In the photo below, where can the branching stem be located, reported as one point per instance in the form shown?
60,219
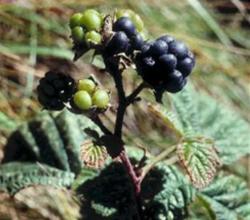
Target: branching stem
159,158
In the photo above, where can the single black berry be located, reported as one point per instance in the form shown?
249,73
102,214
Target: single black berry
185,66
137,42
126,25
175,82
168,39
119,43
159,48
179,49
145,50
168,62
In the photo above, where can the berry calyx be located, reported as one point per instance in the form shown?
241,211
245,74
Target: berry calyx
100,99
93,37
91,20
87,85
82,100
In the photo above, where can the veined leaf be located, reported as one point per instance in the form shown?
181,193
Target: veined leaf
229,198
229,131
92,155
198,156
16,175
200,114
186,111
169,119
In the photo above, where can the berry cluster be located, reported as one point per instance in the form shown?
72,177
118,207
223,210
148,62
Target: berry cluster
89,96
128,35
86,26
55,89
165,64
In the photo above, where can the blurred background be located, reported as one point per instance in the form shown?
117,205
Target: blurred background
35,37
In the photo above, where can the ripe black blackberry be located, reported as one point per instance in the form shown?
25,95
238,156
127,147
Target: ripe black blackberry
54,89
125,39
165,64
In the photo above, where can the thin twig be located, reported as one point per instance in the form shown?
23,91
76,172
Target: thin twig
100,124
130,99
122,105
157,159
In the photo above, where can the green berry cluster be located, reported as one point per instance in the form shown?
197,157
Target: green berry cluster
86,26
89,95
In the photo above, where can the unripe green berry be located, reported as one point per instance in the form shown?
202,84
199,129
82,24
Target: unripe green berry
137,22
91,20
78,34
92,11
75,20
100,99
87,85
93,37
124,13
82,100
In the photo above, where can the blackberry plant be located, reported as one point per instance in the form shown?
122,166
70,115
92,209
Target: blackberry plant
69,144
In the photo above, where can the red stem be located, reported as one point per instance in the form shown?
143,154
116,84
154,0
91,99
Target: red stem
135,179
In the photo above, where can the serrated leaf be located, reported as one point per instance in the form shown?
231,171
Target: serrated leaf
187,111
6,123
229,131
168,118
16,175
199,158
93,155
203,115
166,193
85,174
47,137
229,198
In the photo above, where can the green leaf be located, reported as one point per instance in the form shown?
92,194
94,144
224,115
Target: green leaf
187,111
51,138
199,114
199,158
6,123
47,137
17,175
168,118
229,131
166,193
86,173
229,198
